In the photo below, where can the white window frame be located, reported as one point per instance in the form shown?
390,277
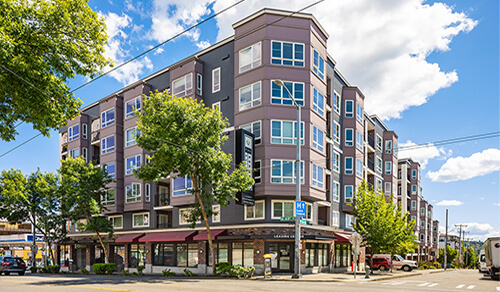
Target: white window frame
135,188
289,180
216,105
85,154
263,202
378,165
336,161
216,80
181,217
349,221
317,66
105,166
141,214
254,100
288,139
199,84
104,147
318,102
350,198
414,174
349,142
359,168
336,191
133,139
251,127
292,87
135,103
137,161
71,133
184,191
336,132
282,209
147,192
378,184
388,167
257,168
293,60
254,61
112,219
104,121
378,142
350,170
84,131
106,201
413,189
359,140
188,85
73,154
359,112
335,218
318,179
349,114
388,146
216,217
387,188
337,101
318,139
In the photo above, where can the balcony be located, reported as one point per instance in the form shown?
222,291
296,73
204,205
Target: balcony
371,142
371,165
64,149
162,201
96,159
95,138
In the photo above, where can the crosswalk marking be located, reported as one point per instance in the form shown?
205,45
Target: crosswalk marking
432,285
498,288
459,286
471,287
424,284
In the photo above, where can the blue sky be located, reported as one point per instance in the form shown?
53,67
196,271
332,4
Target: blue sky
429,69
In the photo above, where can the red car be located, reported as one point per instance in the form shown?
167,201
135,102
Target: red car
380,263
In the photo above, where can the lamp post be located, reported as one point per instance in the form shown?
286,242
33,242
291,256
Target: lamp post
296,273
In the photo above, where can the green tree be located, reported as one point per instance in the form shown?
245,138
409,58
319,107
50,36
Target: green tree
451,254
35,199
380,222
470,257
82,187
185,138
45,43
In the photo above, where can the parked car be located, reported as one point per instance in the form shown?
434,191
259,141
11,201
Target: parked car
380,263
398,262
12,264
492,257
482,263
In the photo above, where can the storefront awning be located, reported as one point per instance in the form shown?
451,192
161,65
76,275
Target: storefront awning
342,238
128,238
213,233
168,236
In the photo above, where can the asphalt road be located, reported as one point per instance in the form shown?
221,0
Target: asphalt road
447,281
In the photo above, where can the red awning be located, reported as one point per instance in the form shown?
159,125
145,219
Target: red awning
127,238
342,238
168,236
214,233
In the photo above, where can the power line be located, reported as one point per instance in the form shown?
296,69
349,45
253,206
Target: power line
451,141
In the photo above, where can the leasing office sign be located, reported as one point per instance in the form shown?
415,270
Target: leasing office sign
245,153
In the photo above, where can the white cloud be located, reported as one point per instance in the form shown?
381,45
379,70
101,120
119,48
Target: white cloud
421,154
497,204
449,203
479,231
203,44
380,46
117,39
460,168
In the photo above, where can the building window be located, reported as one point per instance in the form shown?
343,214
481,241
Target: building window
133,192
289,54
414,174
335,218
388,146
255,212
110,168
182,186
279,95
379,164
336,192
336,132
183,86
250,57
84,131
349,108
250,96
85,154
316,254
176,254
242,254
359,168
336,102
319,65
413,219
388,167
379,143
349,221
107,118
215,80
348,165
318,102
359,113
414,189
215,213
283,171
141,220
317,176
108,198
285,132
349,137
318,139
184,214
256,172
395,150
108,144
387,189
73,133
422,211
116,221
336,161
282,209
132,163
359,140
130,106
131,135
348,194
378,185
255,129
75,153
147,192
199,84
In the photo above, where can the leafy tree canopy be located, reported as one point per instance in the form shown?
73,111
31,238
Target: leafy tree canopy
45,43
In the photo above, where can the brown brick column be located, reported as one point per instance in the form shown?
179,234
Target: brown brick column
149,253
90,255
258,251
203,252
57,260
126,255
302,253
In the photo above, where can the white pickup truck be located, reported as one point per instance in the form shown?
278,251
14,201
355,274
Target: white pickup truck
492,257
398,262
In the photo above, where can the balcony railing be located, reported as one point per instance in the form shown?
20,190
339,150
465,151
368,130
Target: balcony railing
64,149
95,137
371,165
96,160
371,142
162,199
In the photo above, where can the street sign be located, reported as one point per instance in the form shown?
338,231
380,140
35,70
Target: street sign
303,222
300,208
287,218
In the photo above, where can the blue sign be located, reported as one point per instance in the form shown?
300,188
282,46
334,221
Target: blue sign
300,209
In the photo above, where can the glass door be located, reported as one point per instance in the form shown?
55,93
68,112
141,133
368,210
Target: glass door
282,256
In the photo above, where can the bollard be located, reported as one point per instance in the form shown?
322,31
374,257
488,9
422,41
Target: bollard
367,272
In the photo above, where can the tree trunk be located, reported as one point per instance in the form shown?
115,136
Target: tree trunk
106,260
209,234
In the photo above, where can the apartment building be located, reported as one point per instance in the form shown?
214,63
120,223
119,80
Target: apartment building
237,76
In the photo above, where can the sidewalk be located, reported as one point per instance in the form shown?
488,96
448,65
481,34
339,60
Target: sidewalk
349,276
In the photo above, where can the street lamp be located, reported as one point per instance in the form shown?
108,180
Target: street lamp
296,274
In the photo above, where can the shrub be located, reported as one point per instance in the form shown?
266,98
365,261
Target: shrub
125,272
54,269
103,269
167,273
437,265
222,268
189,273
238,271
34,269
140,270
85,271
135,274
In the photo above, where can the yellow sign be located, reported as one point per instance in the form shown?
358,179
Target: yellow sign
268,256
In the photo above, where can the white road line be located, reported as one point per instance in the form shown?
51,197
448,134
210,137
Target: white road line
498,288
424,284
397,283
459,286
471,287
432,285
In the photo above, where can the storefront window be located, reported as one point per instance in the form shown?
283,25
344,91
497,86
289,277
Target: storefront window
248,254
164,255
137,256
237,253
176,254
316,254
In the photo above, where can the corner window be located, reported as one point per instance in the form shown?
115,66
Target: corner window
199,84
388,167
359,113
182,186
285,132
255,129
336,192
116,221
250,57
335,218
359,168
132,163
359,140
388,146
288,54
349,108
379,165
256,172
283,171
336,161
414,174
348,165
318,139
379,143
73,133
107,118
349,137
282,209
133,192
279,94
349,221
84,131
110,168
336,132
131,105
319,65
317,176
141,220
108,198
387,189
336,102
216,80
131,135
414,189
183,86
255,212
250,96
75,153
318,102
108,144
348,194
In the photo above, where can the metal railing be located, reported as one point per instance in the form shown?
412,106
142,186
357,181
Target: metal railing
371,142
162,199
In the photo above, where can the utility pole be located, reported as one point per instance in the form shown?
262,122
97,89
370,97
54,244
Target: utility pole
460,242
446,243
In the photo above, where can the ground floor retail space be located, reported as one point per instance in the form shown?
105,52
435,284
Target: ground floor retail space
177,250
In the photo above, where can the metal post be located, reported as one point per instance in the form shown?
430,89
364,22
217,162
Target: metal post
446,243
34,248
